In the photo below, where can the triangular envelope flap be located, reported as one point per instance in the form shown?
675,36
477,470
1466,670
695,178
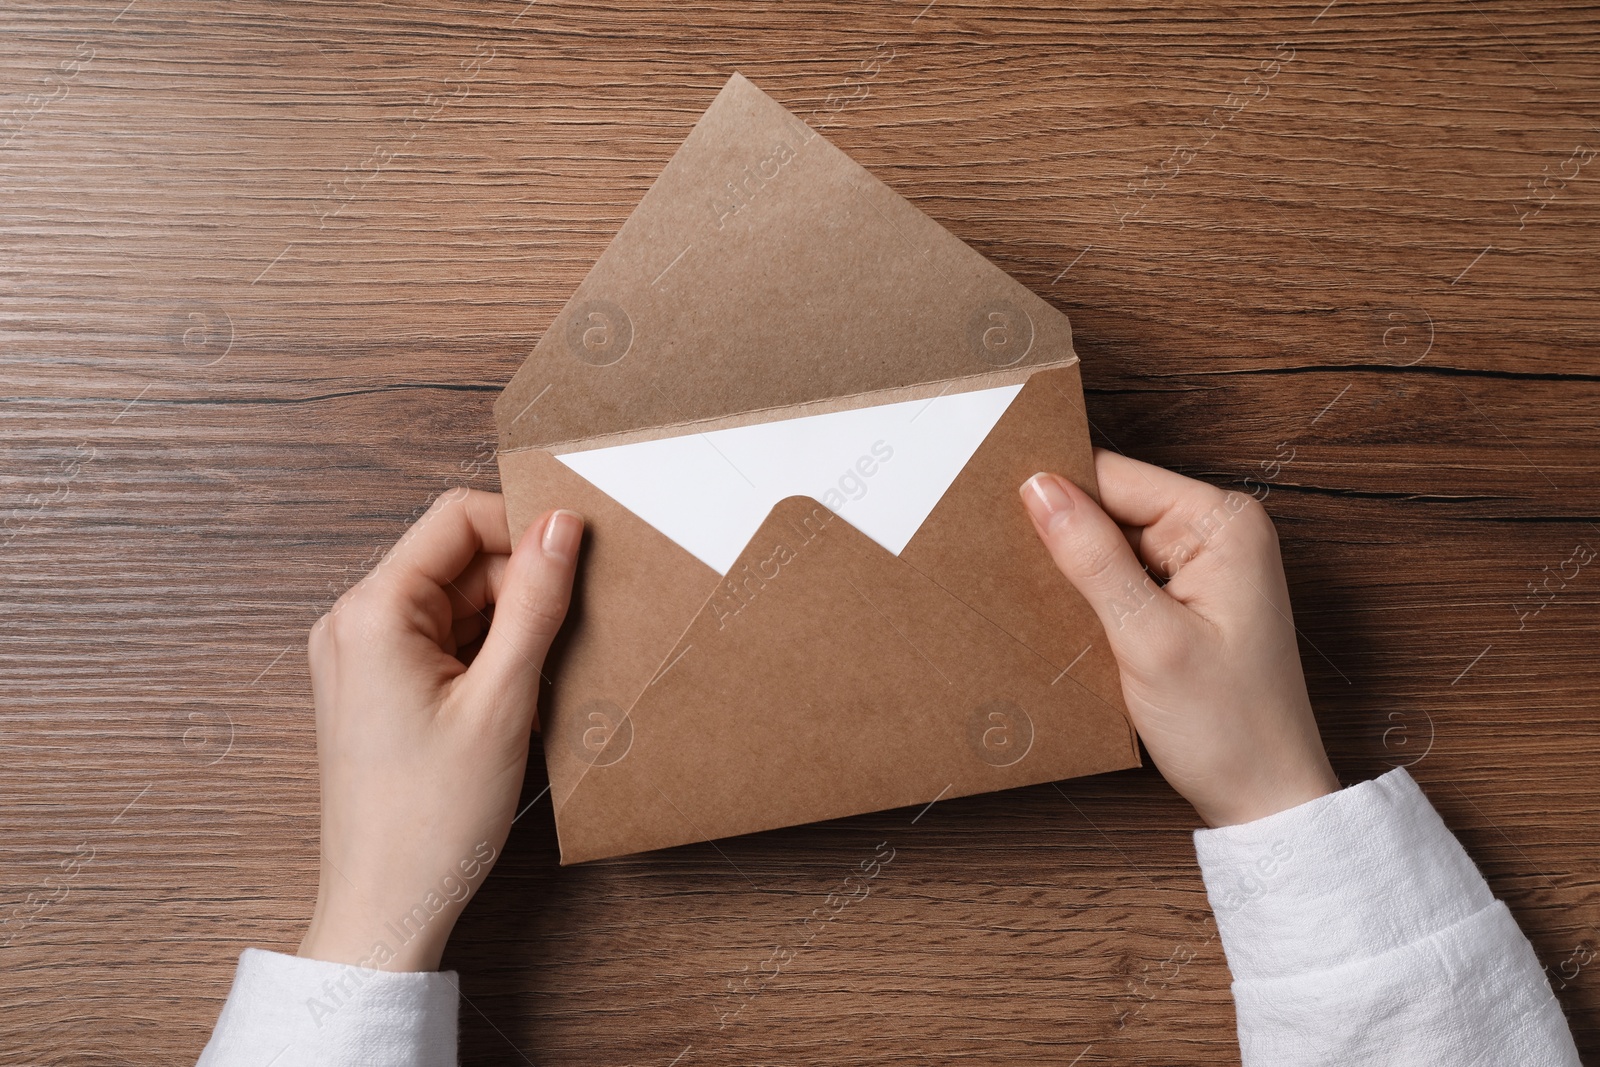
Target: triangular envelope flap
765,269
634,594
979,544
835,680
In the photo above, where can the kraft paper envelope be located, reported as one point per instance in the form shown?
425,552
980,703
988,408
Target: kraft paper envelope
766,276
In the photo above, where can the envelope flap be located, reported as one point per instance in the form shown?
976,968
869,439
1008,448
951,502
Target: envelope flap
829,678
764,269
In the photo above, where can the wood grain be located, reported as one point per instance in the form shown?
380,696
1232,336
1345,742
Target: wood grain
263,267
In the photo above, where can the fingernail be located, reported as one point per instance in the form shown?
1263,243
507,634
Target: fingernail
1046,500
561,536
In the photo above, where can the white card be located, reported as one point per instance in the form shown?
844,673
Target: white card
880,468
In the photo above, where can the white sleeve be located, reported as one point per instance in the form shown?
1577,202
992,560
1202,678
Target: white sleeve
291,1012
1360,933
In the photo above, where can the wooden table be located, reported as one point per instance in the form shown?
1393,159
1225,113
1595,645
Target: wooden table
266,265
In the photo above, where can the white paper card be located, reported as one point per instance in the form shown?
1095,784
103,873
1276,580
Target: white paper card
881,468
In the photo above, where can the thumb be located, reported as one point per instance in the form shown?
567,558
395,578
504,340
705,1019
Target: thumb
530,606
1091,551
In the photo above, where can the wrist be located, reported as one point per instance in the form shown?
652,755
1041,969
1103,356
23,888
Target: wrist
1273,794
414,941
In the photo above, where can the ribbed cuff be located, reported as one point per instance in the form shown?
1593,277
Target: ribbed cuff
1339,879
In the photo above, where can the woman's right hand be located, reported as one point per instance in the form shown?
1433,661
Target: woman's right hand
1210,667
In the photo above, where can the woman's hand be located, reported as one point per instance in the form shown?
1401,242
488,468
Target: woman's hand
1210,669
422,755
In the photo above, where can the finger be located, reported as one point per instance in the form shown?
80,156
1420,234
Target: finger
468,637
1136,493
437,548
1131,534
1173,517
529,609
1090,549
476,587
468,629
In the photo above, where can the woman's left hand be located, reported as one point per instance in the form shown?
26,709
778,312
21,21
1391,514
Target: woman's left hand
422,744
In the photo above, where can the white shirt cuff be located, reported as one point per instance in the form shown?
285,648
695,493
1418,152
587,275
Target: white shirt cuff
1359,932
293,1012
1341,878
